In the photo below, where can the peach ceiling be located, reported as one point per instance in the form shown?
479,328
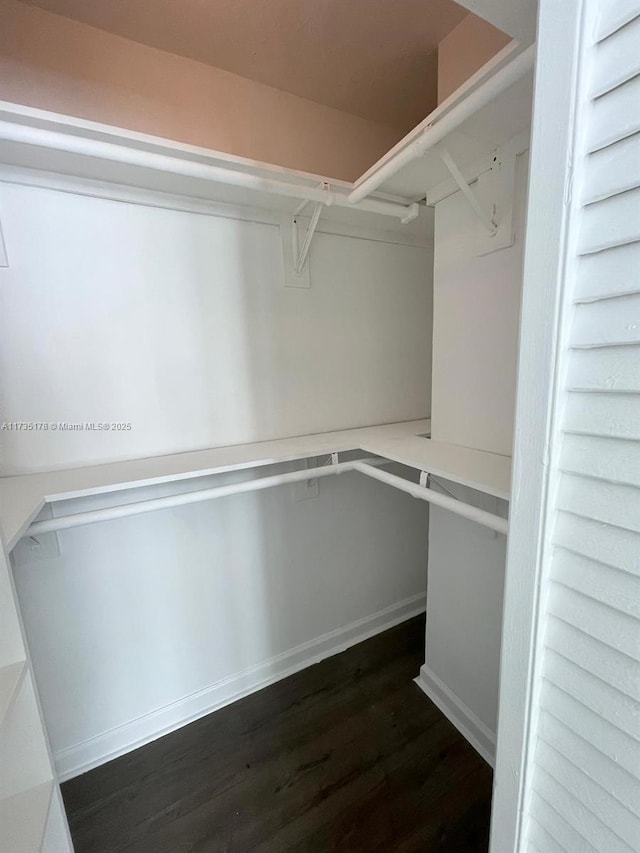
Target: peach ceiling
370,58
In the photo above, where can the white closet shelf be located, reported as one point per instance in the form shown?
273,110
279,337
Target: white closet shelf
23,497
11,677
490,109
23,818
486,472
90,152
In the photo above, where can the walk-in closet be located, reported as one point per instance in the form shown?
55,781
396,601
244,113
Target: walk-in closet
283,289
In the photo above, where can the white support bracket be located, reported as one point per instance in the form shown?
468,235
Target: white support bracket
295,256
300,253
468,193
296,268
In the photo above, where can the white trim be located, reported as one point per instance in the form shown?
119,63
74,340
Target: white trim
97,750
481,738
535,433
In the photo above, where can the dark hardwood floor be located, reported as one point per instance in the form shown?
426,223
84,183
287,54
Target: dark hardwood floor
348,755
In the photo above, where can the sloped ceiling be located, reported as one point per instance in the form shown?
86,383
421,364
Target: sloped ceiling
371,58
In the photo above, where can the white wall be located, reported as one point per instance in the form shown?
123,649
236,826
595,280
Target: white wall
464,605
180,324
476,322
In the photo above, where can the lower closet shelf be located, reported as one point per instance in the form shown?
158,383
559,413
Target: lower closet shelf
487,472
23,818
22,497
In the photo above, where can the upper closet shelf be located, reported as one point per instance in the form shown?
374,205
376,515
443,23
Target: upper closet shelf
90,154
22,497
491,108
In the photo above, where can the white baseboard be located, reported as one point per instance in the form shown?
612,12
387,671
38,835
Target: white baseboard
455,710
90,753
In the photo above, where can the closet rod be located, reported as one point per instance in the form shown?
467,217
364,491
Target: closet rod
118,153
64,522
459,113
481,516
364,466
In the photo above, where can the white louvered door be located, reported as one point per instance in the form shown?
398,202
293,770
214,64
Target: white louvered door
574,785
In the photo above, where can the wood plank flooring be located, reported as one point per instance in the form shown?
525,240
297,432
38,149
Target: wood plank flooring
348,755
